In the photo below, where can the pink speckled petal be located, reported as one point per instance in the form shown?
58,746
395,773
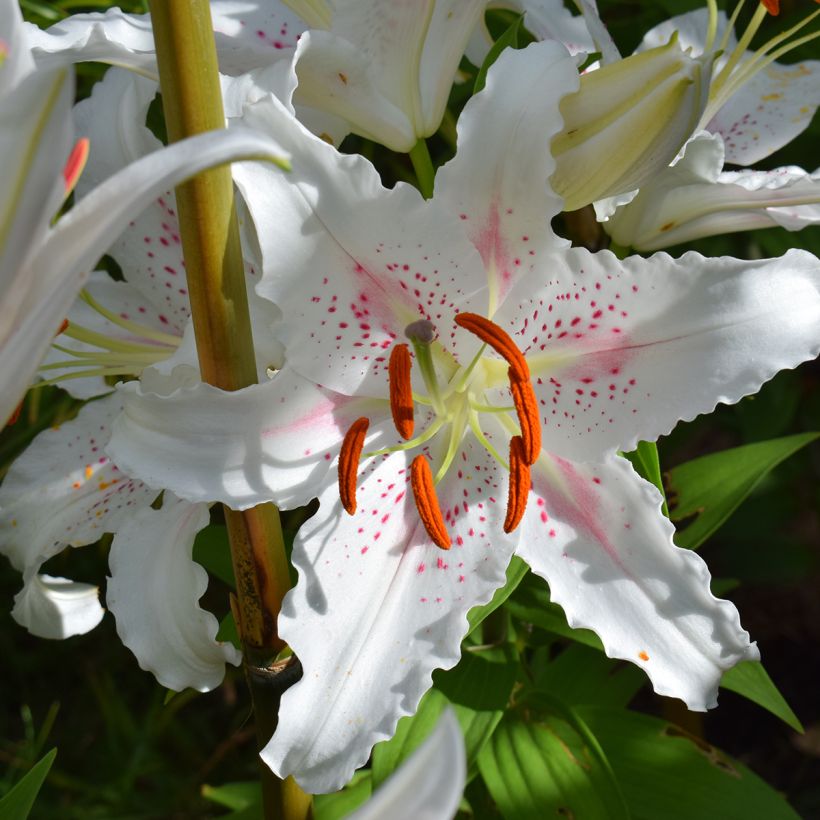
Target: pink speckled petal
56,608
350,263
153,593
497,184
622,350
595,532
66,473
274,441
768,111
378,607
149,250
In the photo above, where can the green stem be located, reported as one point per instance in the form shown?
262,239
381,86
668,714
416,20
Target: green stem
192,101
423,166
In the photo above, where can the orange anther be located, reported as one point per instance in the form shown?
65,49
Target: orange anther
499,340
75,164
526,406
349,456
520,483
772,6
421,480
63,327
401,390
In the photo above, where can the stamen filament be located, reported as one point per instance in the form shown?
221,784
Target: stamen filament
526,407
401,390
91,337
409,445
497,338
730,26
97,371
520,483
754,65
456,433
485,442
740,49
489,408
424,492
349,456
136,328
711,31
460,383
424,358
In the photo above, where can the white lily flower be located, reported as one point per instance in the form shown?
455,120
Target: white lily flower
618,351
693,198
43,266
377,68
121,328
428,785
626,122
756,104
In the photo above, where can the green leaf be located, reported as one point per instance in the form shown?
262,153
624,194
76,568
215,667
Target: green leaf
234,795
579,675
515,573
228,632
531,604
213,551
509,39
712,487
666,773
752,681
544,769
339,805
646,462
17,803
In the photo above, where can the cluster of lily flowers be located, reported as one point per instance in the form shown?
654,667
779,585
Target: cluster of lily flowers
452,380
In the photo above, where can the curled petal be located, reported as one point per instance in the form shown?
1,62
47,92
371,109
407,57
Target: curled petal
57,607
597,535
153,593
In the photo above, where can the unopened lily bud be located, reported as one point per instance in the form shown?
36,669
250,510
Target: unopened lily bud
628,120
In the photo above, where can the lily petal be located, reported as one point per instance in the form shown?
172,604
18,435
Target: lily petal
65,473
622,350
332,215
503,146
428,785
692,198
597,535
153,593
56,608
270,441
368,658
16,61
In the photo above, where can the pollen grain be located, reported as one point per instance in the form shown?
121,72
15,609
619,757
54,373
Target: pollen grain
401,390
424,491
349,456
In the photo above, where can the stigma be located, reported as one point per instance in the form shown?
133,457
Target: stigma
456,404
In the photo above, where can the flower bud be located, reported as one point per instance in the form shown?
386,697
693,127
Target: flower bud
628,120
